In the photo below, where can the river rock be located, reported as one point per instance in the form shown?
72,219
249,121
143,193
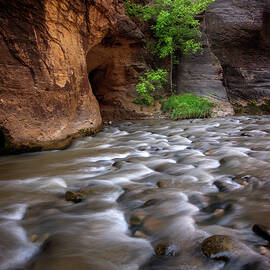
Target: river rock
117,164
140,234
39,239
248,181
213,207
261,231
164,183
137,218
75,197
219,212
165,249
224,186
150,202
219,247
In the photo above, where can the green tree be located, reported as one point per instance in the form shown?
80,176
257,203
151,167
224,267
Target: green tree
149,83
174,25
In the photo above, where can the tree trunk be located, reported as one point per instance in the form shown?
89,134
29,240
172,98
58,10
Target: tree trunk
171,75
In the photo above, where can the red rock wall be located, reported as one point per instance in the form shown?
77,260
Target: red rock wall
45,95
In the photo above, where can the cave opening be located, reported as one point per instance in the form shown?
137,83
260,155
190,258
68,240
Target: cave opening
92,77
112,70
98,62
3,142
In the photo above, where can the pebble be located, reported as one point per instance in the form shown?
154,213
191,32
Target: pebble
75,197
219,212
140,234
39,238
137,218
163,183
165,249
150,202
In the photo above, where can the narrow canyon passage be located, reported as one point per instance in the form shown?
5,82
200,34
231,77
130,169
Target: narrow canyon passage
144,184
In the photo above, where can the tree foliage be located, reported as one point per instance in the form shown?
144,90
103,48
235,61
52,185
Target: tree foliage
149,83
174,23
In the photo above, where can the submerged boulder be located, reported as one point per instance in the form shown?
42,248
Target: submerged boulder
75,197
261,231
219,247
166,249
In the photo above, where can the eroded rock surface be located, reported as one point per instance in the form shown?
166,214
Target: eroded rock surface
235,65
47,50
202,74
239,35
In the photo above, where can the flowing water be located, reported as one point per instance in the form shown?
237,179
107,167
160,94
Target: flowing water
146,182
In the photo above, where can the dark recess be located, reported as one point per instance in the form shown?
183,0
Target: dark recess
2,140
96,78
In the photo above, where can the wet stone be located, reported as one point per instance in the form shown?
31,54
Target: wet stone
209,152
163,183
140,234
261,231
219,212
137,218
150,202
75,197
248,181
117,165
223,186
142,148
245,134
40,239
226,207
165,249
219,247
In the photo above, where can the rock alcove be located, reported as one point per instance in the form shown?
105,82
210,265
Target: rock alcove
113,67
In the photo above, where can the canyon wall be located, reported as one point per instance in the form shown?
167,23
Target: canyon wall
67,66
47,50
239,34
236,60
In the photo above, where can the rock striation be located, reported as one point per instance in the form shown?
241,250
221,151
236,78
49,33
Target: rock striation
235,65
239,36
67,66
47,50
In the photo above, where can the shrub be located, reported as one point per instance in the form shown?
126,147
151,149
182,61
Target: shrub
148,84
186,106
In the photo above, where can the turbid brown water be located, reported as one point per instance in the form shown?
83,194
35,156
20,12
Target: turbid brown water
148,186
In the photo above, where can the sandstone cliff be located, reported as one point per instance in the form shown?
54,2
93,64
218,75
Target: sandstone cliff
239,33
66,65
236,62
47,50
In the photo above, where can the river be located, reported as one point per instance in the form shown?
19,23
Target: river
145,183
